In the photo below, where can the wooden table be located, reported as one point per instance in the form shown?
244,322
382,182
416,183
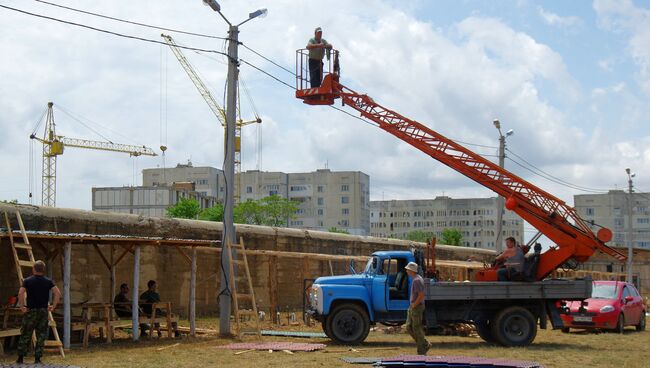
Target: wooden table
104,312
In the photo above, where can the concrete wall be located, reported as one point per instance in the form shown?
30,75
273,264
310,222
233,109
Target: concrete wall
90,277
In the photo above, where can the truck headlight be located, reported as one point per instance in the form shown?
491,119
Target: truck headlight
606,308
313,295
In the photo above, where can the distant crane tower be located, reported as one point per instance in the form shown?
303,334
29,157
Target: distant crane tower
218,111
53,146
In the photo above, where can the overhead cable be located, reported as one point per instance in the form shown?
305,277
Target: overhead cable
108,32
129,21
556,178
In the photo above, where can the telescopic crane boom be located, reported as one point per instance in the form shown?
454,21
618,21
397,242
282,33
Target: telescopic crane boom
551,216
53,146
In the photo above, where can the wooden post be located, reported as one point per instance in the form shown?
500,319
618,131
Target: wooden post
329,262
273,288
193,294
135,320
67,250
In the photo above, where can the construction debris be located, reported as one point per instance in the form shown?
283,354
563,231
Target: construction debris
443,361
273,346
292,333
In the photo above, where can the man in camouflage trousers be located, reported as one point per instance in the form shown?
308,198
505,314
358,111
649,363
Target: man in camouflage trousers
35,318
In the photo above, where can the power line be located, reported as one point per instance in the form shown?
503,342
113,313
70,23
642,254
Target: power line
108,32
129,21
269,60
267,73
556,178
553,180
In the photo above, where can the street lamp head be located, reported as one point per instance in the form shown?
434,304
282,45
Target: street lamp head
497,123
213,4
258,13
627,171
510,132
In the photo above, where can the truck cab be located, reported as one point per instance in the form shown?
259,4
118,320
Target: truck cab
347,305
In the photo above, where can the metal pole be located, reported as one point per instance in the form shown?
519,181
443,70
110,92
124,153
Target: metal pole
135,316
630,234
500,202
228,235
193,294
67,250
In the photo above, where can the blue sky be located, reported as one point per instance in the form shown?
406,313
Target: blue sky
572,78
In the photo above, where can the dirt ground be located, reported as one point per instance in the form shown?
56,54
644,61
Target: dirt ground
550,348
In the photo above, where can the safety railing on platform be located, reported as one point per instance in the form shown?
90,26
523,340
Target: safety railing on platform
329,65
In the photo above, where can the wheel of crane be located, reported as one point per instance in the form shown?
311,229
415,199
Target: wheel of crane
514,326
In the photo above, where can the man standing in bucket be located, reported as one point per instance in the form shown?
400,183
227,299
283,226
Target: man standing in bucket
36,310
416,309
317,47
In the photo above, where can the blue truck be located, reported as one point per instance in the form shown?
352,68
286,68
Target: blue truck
504,313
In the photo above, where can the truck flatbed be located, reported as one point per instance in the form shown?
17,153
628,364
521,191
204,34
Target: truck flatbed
557,289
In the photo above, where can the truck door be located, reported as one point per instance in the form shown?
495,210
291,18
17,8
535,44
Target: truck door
398,285
379,285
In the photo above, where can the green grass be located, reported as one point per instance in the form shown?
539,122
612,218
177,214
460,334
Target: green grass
551,349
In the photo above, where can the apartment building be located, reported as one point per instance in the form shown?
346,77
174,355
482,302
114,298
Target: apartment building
474,217
147,200
326,198
618,211
207,180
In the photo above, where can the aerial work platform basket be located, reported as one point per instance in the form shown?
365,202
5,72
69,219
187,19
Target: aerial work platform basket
318,86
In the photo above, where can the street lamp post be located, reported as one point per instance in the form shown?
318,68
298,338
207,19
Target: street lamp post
228,234
630,231
500,199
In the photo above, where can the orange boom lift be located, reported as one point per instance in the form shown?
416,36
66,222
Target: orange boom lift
551,216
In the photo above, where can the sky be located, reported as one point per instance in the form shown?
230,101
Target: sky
571,78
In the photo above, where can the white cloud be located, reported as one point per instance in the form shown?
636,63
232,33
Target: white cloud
454,80
623,15
556,20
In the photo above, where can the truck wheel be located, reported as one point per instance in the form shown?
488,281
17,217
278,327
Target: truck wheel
326,330
514,326
484,331
641,325
348,324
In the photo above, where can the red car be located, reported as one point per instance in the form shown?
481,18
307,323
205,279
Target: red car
613,306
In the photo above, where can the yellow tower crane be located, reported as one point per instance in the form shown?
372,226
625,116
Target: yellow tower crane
53,146
218,111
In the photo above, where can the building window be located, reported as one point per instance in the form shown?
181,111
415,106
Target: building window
202,182
320,212
345,188
345,211
297,188
345,199
345,223
249,189
643,220
273,192
589,211
297,223
320,201
320,189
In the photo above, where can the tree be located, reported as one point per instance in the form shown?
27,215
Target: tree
248,212
13,201
213,213
277,210
420,236
271,211
334,229
187,208
452,237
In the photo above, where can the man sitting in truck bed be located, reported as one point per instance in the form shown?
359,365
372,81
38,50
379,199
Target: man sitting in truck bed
512,259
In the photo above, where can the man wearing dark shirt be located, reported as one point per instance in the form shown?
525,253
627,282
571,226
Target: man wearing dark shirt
36,310
416,309
148,297
121,303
